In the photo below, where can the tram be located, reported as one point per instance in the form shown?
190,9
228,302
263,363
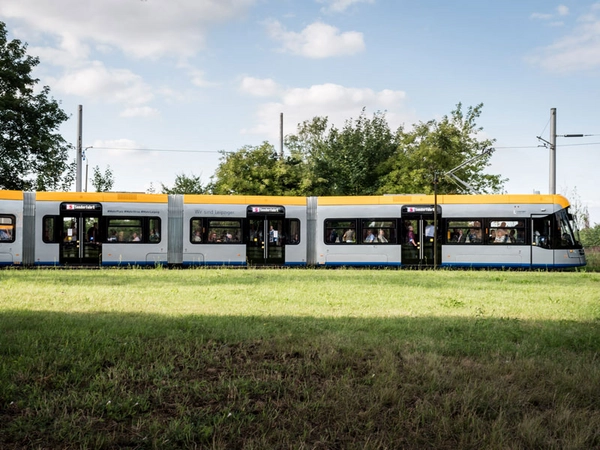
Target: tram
134,229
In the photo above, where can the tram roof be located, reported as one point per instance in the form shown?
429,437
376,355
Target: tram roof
11,195
411,199
400,199
88,197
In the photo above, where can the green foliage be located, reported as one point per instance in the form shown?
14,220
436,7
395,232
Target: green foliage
102,182
33,156
438,147
185,185
258,171
590,237
366,157
344,162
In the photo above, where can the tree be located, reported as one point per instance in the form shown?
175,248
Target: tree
590,237
33,156
578,209
258,171
185,185
346,162
367,158
437,147
102,182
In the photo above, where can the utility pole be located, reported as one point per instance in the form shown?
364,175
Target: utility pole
552,151
281,136
79,149
435,219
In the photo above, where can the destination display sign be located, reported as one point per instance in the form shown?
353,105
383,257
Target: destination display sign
420,209
79,207
265,210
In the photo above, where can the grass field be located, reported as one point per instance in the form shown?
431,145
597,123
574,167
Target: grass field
592,256
303,359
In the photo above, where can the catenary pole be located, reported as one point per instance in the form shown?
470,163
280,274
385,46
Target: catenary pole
552,150
281,136
79,149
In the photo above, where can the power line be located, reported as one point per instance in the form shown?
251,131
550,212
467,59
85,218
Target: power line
177,150
161,150
539,146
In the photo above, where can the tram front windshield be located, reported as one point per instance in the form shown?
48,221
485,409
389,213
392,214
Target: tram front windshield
568,231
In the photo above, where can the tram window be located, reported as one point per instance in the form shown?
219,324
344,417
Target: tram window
293,232
340,231
542,232
196,231
464,231
7,228
224,231
564,234
155,231
379,231
49,226
506,232
124,230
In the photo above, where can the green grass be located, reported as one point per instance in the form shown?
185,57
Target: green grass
299,359
592,256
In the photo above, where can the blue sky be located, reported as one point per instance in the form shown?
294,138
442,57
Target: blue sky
165,84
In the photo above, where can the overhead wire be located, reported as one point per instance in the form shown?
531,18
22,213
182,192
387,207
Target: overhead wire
177,150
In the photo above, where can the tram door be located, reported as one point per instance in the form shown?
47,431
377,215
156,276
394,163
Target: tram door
541,241
417,235
80,234
265,242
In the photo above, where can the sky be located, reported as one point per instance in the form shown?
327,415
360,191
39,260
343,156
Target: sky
166,85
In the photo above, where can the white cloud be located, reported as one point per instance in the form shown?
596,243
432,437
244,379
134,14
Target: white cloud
336,6
142,111
99,83
259,87
541,16
579,50
144,29
198,79
562,10
337,102
317,40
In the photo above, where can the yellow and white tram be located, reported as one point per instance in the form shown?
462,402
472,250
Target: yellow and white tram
124,229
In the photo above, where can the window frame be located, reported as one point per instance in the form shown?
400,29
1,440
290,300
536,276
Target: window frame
377,224
340,227
290,233
471,227
229,231
8,223
144,227
506,225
